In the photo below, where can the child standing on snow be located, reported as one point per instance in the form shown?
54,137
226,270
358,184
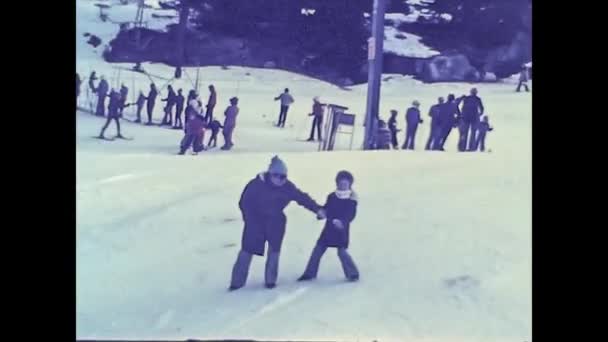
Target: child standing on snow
341,209
214,126
383,137
483,128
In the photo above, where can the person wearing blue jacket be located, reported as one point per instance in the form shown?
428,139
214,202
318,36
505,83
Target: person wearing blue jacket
412,119
262,204
341,209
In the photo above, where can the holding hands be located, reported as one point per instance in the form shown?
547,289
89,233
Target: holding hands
321,214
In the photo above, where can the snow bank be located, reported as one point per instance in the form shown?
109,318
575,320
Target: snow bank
405,44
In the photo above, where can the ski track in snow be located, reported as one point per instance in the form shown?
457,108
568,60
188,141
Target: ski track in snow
117,178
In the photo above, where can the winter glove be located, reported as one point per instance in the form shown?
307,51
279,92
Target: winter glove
321,214
337,223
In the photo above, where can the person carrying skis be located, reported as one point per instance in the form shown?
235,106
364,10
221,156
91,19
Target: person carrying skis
341,209
230,123
170,99
262,203
102,93
392,126
195,131
179,108
412,119
151,102
435,136
286,101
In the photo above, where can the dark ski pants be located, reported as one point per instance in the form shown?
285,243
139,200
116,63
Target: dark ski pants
191,140
525,84
316,123
227,132
481,142
150,110
394,141
468,130
101,105
283,116
443,136
434,139
410,137
240,270
139,108
110,118
209,114
348,265
213,139
168,118
178,118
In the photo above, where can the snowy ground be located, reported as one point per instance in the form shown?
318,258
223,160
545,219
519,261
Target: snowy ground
442,240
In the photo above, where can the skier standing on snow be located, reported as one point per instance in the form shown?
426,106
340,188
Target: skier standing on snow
341,209
179,108
211,103
151,102
317,112
392,126
412,119
141,100
523,79
484,128
435,136
230,123
195,131
215,127
124,91
102,93
262,203
170,99
113,114
472,110
286,101
450,118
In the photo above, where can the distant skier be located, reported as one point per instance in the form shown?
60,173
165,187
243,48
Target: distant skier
392,126
141,100
170,99
230,123
195,131
124,92
215,127
262,203
286,101
412,119
211,103
113,114
151,102
483,129
317,112
472,110
450,118
179,108
434,140
341,209
102,93
523,79
383,137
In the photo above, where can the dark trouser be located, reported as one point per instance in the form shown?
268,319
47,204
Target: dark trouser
240,270
525,84
168,119
209,114
468,130
150,110
194,140
213,139
139,108
410,137
316,123
110,118
178,117
348,265
394,139
481,141
444,133
283,116
227,132
432,143
101,105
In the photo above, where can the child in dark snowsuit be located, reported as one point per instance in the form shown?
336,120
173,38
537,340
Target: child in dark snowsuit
412,119
392,126
341,209
215,127
383,137
482,129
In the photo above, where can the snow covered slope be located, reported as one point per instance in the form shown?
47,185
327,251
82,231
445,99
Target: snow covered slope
442,240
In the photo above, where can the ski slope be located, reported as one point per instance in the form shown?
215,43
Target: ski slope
442,240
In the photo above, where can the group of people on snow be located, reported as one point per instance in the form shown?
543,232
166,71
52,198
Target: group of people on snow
262,203
195,123
465,113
